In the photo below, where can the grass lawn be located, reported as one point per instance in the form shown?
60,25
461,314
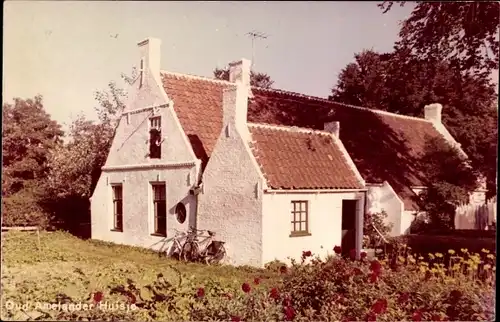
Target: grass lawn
66,266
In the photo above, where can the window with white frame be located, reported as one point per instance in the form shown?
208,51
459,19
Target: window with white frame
117,207
159,209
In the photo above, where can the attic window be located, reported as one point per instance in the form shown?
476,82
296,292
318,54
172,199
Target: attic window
141,73
155,140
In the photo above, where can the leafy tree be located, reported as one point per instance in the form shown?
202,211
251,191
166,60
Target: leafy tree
403,83
450,181
464,33
29,134
256,79
76,166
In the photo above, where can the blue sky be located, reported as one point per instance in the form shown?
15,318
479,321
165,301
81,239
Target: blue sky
65,50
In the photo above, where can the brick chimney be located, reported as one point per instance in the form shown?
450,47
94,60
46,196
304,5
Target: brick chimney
432,112
149,50
239,72
332,127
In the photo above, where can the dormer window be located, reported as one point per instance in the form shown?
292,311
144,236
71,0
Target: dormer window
155,139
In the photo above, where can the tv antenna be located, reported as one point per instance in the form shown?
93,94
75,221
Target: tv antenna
255,35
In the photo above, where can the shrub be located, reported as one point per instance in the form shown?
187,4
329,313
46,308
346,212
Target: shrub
372,238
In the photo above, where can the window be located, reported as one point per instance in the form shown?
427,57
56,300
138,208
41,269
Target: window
180,212
155,137
117,207
159,210
300,218
141,73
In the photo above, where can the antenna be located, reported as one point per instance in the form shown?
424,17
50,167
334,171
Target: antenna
255,35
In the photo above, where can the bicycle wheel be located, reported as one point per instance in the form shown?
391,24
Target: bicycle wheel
217,257
189,251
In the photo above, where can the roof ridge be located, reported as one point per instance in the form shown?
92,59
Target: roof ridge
324,100
289,128
295,94
214,80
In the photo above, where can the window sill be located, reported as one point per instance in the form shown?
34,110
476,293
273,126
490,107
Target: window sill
299,234
158,235
117,230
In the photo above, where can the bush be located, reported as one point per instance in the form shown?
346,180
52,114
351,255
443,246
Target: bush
401,287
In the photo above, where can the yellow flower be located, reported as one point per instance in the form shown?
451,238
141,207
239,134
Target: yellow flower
439,255
420,258
456,267
423,269
485,251
463,250
491,256
433,270
451,251
401,259
487,266
412,260
431,256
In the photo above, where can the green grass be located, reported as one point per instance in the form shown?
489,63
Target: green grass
66,266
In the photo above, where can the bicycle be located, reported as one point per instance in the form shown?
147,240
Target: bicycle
177,248
212,253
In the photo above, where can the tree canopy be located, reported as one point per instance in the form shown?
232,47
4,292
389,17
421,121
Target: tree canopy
403,83
463,33
29,135
256,79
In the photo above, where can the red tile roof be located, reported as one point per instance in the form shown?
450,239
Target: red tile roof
383,146
292,158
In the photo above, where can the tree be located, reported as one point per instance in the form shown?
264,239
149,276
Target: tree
29,135
79,162
464,33
403,83
256,79
450,181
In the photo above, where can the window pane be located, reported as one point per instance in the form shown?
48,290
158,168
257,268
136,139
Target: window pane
303,216
162,225
162,209
119,222
302,226
292,226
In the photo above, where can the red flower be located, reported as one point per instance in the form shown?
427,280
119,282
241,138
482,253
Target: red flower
289,313
246,287
435,317
274,293
380,306
235,318
375,266
306,254
371,317
200,292
256,281
352,254
373,277
404,297
416,316
98,296
363,255
287,301
131,298
337,250
357,271
283,269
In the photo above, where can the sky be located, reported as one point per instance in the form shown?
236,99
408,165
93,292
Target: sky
66,51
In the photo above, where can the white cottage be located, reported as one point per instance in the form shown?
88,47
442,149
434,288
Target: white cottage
184,154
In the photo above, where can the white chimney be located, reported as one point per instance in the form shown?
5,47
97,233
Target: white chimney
332,127
235,109
239,71
432,112
149,50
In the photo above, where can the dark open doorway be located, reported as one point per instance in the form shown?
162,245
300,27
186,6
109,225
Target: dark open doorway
349,208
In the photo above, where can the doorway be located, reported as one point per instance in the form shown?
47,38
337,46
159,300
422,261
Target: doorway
349,208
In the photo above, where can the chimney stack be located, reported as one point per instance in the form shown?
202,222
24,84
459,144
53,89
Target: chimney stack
332,127
432,112
239,72
149,50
